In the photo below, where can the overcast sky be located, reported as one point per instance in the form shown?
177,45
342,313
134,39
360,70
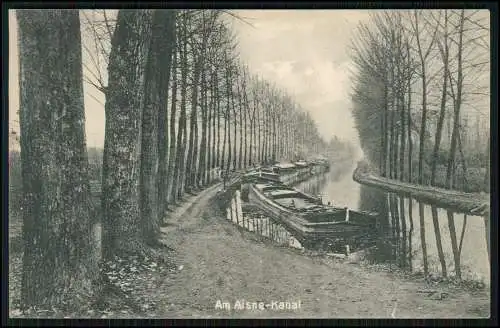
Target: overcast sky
306,53
302,51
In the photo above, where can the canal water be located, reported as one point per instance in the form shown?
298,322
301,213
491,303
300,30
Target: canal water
399,243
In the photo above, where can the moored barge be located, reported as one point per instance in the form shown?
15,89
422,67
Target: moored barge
309,220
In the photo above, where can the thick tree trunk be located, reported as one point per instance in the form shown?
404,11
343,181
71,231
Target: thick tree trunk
59,264
122,147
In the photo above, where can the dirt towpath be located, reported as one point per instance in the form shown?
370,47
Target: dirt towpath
217,261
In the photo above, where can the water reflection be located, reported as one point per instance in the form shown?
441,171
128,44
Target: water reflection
400,239
461,246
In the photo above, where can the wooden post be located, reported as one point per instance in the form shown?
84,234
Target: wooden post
234,215
239,210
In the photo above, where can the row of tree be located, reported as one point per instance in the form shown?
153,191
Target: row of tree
179,104
417,70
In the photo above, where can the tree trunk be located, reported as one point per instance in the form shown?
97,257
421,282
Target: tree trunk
265,137
193,122
228,119
172,141
410,175
166,48
203,147
245,95
210,144
454,137
196,153
250,151
122,147
385,132
59,264
235,156
241,110
437,142
213,110
421,149
274,139
259,134
442,112
218,153
179,168
156,91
